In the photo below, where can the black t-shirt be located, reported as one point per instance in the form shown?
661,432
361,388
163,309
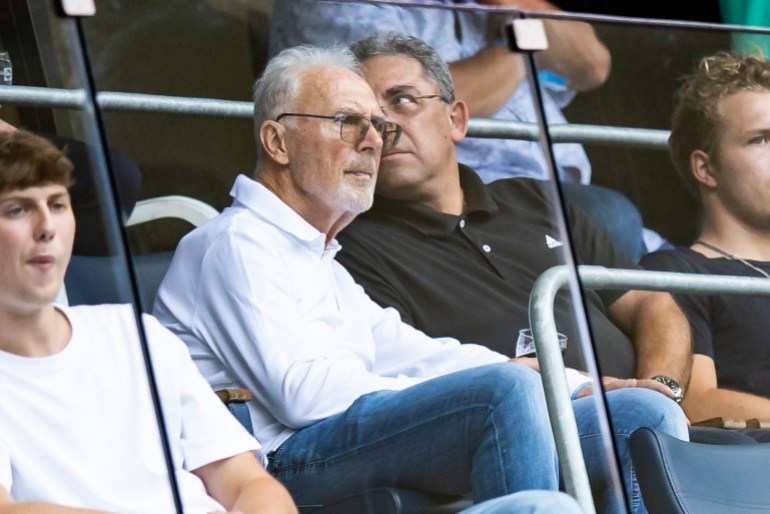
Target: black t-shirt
470,276
731,329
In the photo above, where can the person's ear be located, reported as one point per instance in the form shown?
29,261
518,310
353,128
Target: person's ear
458,119
702,169
272,135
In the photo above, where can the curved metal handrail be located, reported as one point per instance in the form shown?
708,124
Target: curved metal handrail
543,325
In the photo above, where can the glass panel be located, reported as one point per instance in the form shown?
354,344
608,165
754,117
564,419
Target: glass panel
177,48
639,93
495,254
180,53
89,391
473,280
649,65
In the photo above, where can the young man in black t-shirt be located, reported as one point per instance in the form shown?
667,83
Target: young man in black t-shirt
720,145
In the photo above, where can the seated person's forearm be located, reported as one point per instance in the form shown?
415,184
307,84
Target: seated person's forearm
727,404
43,508
487,80
670,360
241,484
575,53
660,332
264,496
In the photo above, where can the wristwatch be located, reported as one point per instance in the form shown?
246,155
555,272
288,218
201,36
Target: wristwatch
673,385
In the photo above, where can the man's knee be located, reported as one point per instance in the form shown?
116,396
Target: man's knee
500,379
511,389
638,407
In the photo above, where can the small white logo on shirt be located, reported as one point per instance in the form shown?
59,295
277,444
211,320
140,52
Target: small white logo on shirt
552,243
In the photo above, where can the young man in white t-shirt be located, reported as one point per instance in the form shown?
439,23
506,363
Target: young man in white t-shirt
79,432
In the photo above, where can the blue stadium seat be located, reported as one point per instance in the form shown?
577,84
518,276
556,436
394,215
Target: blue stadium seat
681,477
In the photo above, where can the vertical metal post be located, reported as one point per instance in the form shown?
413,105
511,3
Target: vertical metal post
557,395
527,36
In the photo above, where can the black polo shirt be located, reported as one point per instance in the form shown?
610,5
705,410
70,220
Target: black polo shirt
470,276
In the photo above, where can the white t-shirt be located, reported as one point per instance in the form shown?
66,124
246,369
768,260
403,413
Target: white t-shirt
78,428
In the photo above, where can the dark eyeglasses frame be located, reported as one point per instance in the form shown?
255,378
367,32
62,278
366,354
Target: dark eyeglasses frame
418,104
390,129
430,96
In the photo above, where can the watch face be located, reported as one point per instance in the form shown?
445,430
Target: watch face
673,385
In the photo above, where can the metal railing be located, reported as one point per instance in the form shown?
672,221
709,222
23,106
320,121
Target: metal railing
549,356
478,127
545,288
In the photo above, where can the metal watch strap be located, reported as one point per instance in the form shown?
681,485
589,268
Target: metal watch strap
673,385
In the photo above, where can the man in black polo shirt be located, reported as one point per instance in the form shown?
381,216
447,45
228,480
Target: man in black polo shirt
457,257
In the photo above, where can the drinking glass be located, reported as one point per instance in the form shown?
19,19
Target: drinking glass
525,344
6,71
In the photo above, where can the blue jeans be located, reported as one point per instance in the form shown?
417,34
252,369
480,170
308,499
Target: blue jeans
630,409
484,430
528,502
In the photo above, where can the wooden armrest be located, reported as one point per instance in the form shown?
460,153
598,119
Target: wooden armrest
234,395
733,424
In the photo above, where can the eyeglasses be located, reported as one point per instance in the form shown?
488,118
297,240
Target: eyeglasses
353,127
406,105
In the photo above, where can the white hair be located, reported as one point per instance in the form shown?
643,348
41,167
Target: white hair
275,90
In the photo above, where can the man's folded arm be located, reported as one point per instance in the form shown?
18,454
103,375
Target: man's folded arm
705,399
241,484
9,506
660,333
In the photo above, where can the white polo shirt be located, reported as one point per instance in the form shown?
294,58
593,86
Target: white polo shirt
262,304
